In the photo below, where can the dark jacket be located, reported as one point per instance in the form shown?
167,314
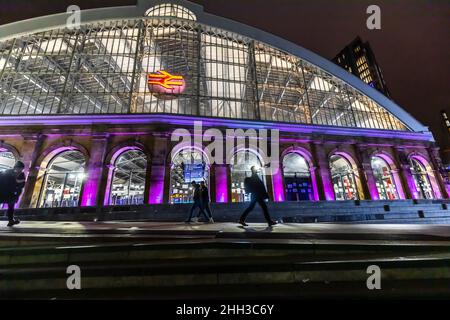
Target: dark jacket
256,187
197,193
11,185
205,194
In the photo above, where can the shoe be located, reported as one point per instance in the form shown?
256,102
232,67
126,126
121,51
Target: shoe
187,221
10,224
195,219
211,220
272,223
243,223
16,221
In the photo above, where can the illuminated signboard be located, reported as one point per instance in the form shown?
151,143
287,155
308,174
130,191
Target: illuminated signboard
164,82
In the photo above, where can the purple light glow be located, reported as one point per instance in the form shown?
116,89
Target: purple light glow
221,183
156,190
90,192
277,184
213,122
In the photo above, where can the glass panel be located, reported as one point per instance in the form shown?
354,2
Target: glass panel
343,178
241,165
7,160
421,180
128,185
384,179
105,67
63,180
297,178
187,166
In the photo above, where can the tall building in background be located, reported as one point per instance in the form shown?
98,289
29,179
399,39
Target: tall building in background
359,59
446,146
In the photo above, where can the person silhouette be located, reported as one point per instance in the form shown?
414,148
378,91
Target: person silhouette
197,202
12,183
258,194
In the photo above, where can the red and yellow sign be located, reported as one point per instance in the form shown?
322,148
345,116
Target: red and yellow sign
164,82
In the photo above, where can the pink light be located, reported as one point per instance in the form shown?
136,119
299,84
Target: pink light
156,190
277,184
221,183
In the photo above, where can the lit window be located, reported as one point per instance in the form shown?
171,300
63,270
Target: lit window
170,10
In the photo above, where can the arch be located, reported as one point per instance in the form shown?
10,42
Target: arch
297,177
426,185
6,147
129,169
168,9
240,164
384,177
8,156
187,164
346,184
110,162
62,179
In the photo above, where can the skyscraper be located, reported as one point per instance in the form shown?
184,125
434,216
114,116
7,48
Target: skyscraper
359,59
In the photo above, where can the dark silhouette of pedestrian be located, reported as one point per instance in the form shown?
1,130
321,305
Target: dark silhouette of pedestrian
12,182
197,198
258,194
205,201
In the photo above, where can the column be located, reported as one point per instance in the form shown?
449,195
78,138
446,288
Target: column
91,187
221,182
277,185
370,180
158,182
322,172
407,180
436,163
365,173
32,148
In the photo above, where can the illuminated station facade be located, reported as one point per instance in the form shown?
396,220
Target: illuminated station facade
90,111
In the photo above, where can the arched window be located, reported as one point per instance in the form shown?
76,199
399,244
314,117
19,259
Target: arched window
128,183
63,180
343,177
170,10
384,179
241,165
188,165
297,178
7,160
421,179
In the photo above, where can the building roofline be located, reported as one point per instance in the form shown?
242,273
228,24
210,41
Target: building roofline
54,21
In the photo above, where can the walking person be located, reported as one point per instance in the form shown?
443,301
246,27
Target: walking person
257,189
12,182
197,202
205,201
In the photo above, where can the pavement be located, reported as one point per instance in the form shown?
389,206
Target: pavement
418,234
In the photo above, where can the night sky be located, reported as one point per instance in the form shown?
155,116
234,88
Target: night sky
412,47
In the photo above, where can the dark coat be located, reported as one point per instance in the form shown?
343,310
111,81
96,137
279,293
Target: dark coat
11,185
197,193
205,194
256,187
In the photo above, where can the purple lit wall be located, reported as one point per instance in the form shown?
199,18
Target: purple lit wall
221,183
277,184
156,191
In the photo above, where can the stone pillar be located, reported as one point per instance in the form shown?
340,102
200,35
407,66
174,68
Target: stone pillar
398,183
269,184
407,180
365,173
90,194
370,179
437,169
222,183
32,148
278,185
322,172
314,182
159,179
